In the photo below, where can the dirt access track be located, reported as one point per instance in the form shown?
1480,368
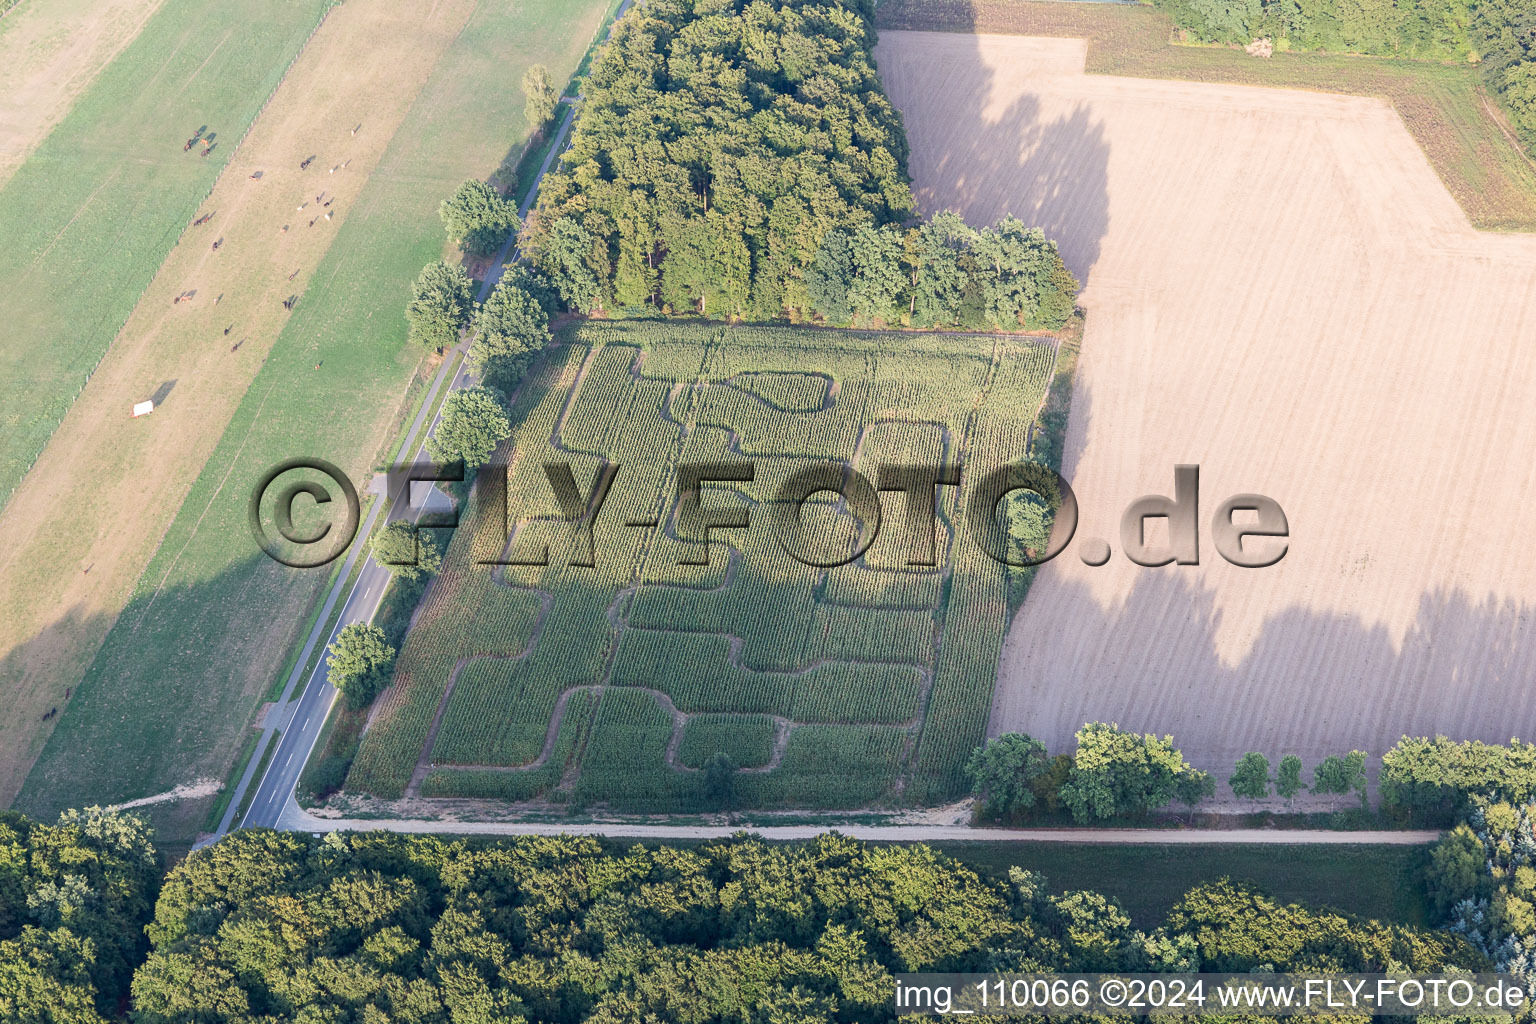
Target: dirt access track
1280,290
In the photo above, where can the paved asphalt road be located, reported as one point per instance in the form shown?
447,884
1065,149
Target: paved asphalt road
307,719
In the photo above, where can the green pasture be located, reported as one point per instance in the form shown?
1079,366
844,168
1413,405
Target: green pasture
211,620
1381,882
91,215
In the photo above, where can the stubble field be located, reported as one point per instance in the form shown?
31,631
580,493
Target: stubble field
50,51
1280,290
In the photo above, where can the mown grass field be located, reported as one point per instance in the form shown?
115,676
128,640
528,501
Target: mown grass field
211,621
881,671
1444,106
91,215
199,357
1381,882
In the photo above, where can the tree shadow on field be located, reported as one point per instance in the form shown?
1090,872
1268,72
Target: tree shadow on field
1310,682
165,700
1048,169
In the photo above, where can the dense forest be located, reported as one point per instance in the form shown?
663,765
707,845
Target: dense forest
74,898
268,926
739,159
1499,35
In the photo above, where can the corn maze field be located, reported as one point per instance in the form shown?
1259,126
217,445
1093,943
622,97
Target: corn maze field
865,683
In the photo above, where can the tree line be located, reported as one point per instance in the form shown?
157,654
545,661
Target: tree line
741,161
1498,35
1114,773
506,333
1482,883
270,926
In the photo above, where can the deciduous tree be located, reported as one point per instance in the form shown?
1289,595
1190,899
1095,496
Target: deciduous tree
1115,772
539,96
1288,777
408,553
1251,776
360,663
510,328
474,421
1004,772
479,220
442,301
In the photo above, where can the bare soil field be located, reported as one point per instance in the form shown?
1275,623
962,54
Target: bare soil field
86,519
1281,290
1445,107
50,50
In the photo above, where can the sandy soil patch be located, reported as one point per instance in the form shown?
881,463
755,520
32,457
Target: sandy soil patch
1280,290
85,521
50,50
195,790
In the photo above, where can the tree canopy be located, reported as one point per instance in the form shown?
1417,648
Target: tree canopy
408,553
74,898
1115,772
415,929
1482,881
1250,778
1288,777
478,218
1004,773
1434,779
539,96
442,301
717,144
361,660
510,328
418,929
474,422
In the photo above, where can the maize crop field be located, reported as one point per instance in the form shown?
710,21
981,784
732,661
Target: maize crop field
866,683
